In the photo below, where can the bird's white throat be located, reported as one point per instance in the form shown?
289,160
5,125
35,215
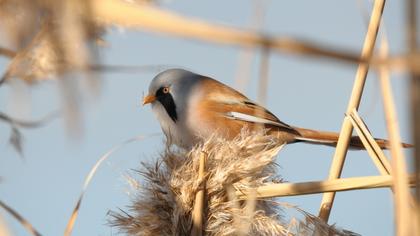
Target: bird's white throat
174,132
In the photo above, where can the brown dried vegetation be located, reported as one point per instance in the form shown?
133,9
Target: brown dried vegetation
165,195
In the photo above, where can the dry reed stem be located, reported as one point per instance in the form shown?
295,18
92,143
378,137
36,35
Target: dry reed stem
399,63
263,80
347,128
375,152
413,49
243,224
4,229
243,71
403,217
63,50
156,20
336,185
250,207
198,210
7,52
58,47
28,226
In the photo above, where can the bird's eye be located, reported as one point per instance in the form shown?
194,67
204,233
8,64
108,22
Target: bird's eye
165,90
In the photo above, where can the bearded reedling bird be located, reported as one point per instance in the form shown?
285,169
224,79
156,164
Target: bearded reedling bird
192,107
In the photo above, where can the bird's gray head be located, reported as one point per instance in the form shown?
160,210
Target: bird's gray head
171,88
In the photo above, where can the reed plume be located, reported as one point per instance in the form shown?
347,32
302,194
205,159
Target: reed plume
164,198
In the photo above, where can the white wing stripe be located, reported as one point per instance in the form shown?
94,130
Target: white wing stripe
249,118
311,140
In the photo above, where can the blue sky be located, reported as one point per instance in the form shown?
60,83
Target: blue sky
305,92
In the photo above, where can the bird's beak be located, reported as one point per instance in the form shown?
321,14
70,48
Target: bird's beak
149,99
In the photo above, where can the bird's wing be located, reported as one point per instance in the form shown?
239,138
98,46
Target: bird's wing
233,105
251,112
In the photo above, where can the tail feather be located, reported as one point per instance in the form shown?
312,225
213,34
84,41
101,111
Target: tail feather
331,139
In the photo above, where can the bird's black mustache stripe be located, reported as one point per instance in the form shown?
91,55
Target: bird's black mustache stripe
168,103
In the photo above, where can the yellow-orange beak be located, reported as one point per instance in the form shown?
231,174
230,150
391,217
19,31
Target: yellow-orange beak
149,99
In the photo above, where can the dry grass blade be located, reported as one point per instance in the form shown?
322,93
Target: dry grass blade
403,213
75,212
346,184
115,69
375,152
199,203
129,69
346,129
16,136
26,123
15,140
28,226
154,19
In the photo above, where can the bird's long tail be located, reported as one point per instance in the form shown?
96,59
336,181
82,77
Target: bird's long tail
331,139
